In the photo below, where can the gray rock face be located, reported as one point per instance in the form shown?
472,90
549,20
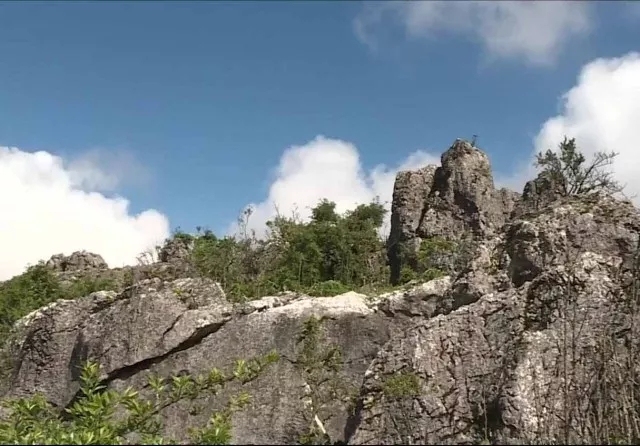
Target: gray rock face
456,198
538,329
541,191
410,192
557,235
176,249
79,261
187,325
495,366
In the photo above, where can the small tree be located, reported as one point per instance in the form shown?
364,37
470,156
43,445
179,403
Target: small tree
570,172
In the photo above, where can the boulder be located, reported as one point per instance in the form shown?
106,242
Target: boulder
77,262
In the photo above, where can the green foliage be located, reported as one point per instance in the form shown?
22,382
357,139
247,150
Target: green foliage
223,260
325,211
97,416
402,385
328,288
179,234
569,171
407,274
436,257
329,255
37,287
85,286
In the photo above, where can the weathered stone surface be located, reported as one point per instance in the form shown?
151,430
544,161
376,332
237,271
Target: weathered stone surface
410,191
496,352
79,261
540,192
187,325
458,198
494,367
142,323
457,359
176,249
556,235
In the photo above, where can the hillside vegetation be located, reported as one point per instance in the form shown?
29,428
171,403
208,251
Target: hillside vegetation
327,255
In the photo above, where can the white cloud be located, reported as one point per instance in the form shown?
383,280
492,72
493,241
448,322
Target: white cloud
48,207
103,170
327,168
602,112
535,31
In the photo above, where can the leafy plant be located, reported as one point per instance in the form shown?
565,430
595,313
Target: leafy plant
402,385
37,287
85,286
106,416
329,255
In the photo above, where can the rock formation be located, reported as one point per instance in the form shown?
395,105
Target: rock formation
78,261
175,250
172,264
494,354
456,198
493,367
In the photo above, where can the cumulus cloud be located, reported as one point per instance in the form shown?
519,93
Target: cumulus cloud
106,170
602,112
327,168
49,207
533,31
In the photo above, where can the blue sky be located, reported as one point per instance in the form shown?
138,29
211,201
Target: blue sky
189,108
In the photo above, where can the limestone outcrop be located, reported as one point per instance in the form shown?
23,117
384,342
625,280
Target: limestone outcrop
457,198
514,349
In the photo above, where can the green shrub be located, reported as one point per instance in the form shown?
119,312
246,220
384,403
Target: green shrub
402,385
329,255
85,286
431,274
19,296
96,418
